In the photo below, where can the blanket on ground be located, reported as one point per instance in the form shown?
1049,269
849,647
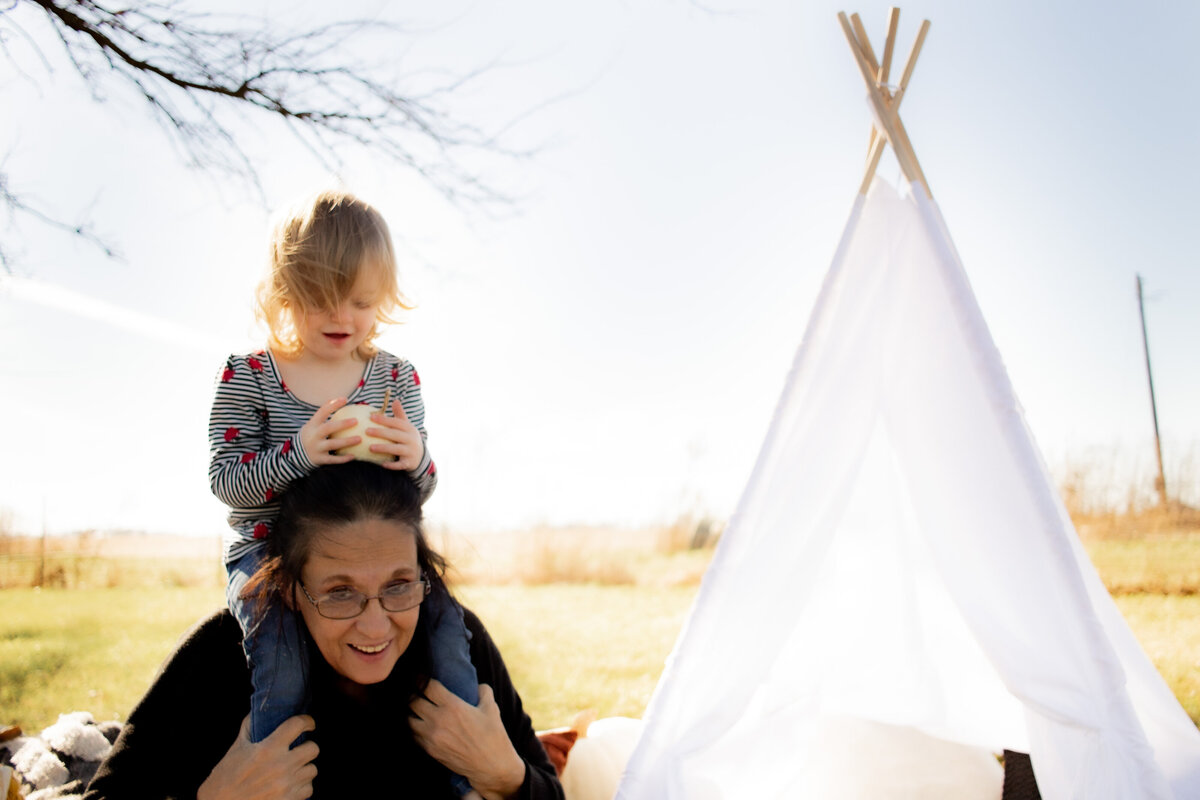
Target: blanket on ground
59,763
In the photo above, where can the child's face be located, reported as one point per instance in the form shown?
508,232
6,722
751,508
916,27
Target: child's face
333,334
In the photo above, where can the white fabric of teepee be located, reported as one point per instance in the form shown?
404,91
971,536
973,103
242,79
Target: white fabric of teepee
900,556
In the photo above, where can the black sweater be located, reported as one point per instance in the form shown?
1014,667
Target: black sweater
192,713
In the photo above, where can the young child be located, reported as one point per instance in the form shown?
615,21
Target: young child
331,282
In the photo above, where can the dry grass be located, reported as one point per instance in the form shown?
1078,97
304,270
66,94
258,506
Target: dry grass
91,561
1144,551
1168,628
1137,525
1103,485
542,556
1163,564
581,555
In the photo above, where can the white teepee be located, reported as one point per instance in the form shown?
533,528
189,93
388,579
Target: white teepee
899,559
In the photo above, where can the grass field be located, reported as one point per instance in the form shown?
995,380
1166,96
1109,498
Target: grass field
88,649
573,647
571,644
97,649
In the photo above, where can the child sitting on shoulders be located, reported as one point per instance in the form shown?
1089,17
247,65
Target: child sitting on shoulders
331,283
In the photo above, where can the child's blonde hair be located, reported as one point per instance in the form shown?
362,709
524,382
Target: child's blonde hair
318,251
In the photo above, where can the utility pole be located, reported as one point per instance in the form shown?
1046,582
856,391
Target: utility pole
1161,483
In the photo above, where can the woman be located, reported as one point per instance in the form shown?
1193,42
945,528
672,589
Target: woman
349,555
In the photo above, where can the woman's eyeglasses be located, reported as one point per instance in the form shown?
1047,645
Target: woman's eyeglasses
348,603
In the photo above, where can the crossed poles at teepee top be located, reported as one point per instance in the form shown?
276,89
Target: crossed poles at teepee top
885,99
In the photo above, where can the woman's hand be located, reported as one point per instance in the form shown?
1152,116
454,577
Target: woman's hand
267,770
404,440
470,740
315,435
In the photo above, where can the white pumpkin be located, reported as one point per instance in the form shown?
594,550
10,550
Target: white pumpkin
361,414
598,758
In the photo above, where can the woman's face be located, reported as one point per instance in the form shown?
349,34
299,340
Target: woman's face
366,556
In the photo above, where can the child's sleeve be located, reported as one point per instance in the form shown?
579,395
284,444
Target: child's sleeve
245,470
425,474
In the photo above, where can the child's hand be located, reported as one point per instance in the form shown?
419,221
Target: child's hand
404,439
315,435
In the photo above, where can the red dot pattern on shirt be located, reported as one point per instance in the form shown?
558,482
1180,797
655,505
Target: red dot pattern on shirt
227,375
231,434
268,494
395,373
255,364
416,378
287,447
248,457
432,469
261,530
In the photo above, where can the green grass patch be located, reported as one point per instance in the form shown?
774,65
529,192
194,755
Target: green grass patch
88,649
569,647
575,647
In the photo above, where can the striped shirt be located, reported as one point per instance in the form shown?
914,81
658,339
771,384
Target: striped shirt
254,438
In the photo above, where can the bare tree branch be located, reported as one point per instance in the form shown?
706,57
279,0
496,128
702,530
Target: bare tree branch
198,73
19,205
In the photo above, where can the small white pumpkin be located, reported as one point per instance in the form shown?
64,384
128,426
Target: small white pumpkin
598,758
361,414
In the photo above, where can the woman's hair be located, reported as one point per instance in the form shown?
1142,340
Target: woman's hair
318,250
333,496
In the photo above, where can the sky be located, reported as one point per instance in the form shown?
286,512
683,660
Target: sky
609,349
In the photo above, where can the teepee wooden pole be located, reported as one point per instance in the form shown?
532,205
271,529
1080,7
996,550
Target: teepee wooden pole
912,60
868,52
886,118
902,145
878,142
864,42
889,45
860,46
885,67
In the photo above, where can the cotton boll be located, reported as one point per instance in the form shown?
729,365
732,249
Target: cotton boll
72,790
75,734
39,767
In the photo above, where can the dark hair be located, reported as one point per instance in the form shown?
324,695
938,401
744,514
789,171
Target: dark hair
333,495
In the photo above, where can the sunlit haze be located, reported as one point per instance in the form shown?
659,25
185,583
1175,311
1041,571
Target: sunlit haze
608,350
